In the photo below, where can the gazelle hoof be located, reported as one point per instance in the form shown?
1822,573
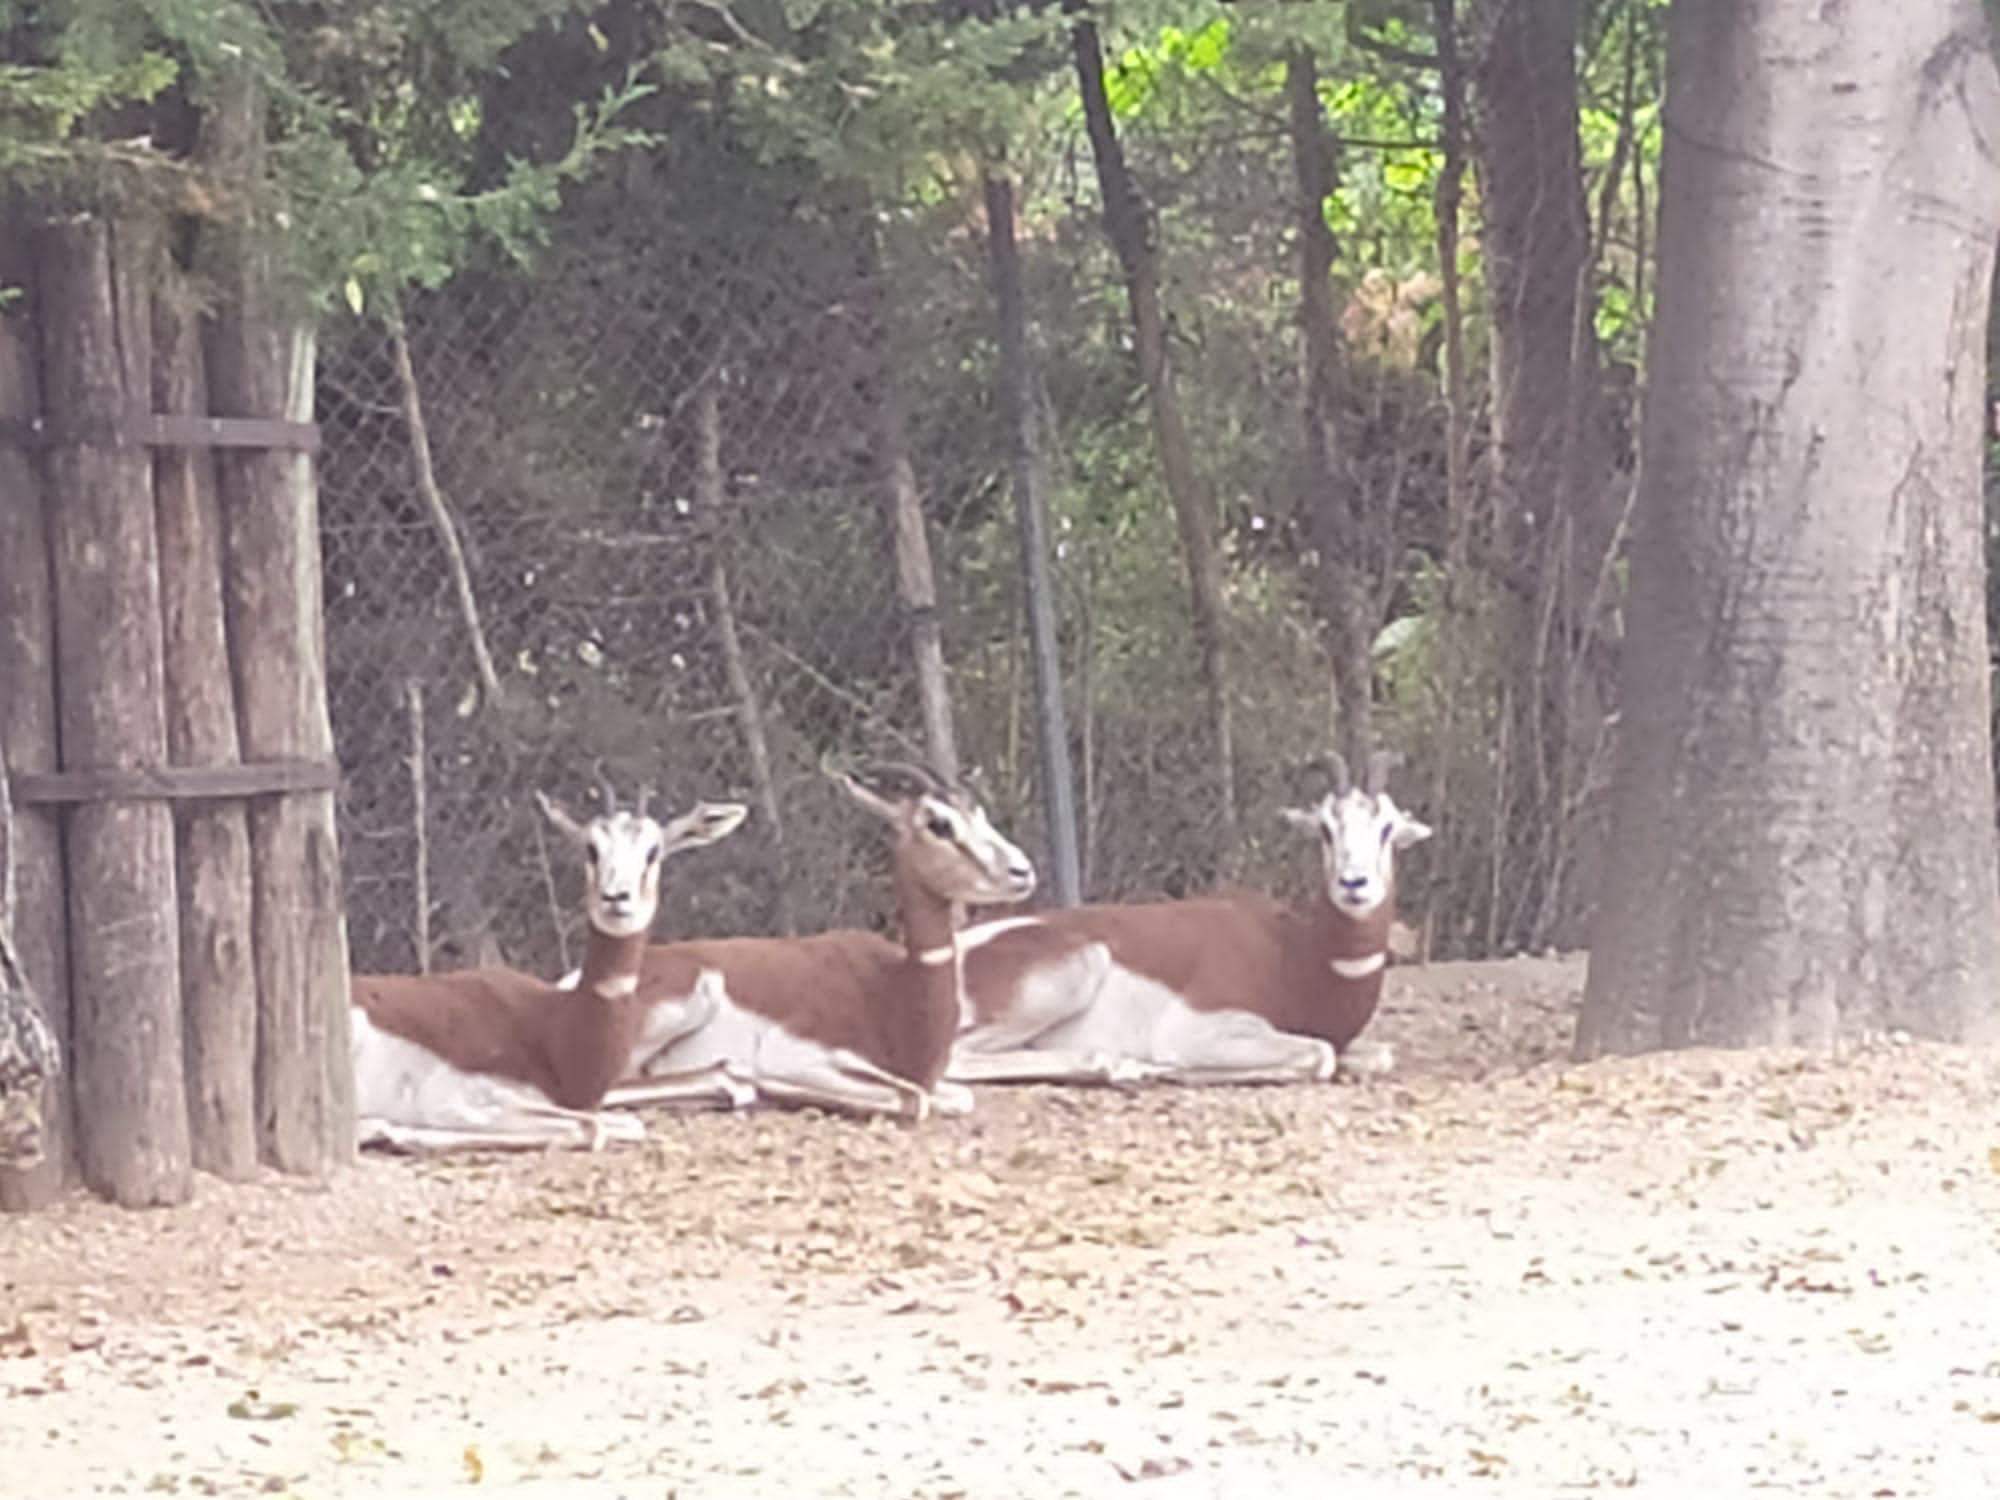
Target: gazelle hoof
1367,1060
948,1098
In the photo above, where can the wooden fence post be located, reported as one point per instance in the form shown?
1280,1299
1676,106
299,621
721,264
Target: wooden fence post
218,958
28,724
125,1034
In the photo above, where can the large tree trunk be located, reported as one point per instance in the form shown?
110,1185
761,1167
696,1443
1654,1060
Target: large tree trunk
28,720
1554,513
131,1103
1804,807
260,365
1333,497
218,974
1128,225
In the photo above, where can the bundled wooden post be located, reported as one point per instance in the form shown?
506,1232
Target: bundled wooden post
260,364
125,1033
28,723
218,971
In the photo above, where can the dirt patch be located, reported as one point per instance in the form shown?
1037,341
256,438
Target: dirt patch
1698,1274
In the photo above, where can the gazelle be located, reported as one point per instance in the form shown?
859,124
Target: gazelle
494,1057
846,1020
1234,988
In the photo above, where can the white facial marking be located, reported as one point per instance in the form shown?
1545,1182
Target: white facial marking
623,868
1360,833
1359,968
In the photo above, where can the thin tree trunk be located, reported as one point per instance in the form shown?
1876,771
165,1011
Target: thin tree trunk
218,969
903,501
1804,808
1025,463
1128,225
131,1098
260,365
1449,201
28,732
711,502
1334,505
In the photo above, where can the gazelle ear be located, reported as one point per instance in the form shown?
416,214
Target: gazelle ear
704,823
1305,819
1409,830
563,823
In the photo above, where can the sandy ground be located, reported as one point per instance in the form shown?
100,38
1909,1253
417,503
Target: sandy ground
1497,1274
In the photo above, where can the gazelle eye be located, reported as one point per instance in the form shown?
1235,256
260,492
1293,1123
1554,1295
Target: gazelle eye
590,855
938,828
653,855
1386,832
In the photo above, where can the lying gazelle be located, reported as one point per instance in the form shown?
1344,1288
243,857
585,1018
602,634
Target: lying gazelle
845,1020
487,1058
1234,988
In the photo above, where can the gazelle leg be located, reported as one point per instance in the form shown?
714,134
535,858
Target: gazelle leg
716,1086
1004,1050
538,1130
1027,1065
798,1072
1235,1047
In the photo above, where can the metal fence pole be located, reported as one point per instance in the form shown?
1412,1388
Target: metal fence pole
1031,512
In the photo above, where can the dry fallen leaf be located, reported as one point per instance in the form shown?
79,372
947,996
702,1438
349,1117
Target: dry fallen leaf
475,1466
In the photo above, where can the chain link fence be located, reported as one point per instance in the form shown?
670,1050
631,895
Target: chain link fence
634,509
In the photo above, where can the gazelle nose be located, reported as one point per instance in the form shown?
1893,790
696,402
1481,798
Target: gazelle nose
1353,882
1022,874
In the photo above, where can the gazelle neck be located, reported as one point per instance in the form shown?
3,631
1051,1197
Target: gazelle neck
922,1036
1356,947
593,1028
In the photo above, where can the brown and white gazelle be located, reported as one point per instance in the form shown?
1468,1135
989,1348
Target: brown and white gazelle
1234,988
485,1058
846,1020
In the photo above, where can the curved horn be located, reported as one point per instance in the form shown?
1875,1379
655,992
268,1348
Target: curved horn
604,787
645,796
1343,780
1380,764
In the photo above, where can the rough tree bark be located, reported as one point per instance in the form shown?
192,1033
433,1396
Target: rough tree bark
1554,511
1333,499
1129,227
131,1103
1804,805
260,365
28,720
218,972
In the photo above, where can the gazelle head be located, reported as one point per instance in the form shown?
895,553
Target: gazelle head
942,835
1360,828
623,852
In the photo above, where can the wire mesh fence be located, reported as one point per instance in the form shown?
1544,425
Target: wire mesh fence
636,508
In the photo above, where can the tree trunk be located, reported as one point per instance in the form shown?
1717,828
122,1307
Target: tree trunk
1334,506
218,972
903,501
131,1100
1024,452
1128,225
1553,514
260,365
1804,807
711,503
28,724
